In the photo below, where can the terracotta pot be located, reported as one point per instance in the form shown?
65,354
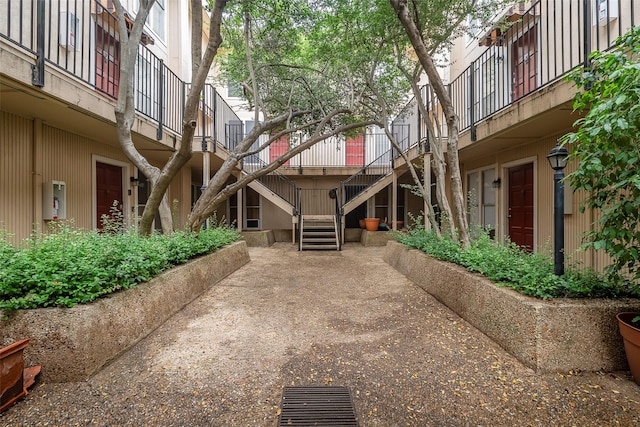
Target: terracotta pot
372,223
362,224
631,337
11,374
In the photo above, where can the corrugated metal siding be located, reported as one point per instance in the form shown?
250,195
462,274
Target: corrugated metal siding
16,145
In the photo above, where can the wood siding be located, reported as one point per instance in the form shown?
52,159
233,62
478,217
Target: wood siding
16,148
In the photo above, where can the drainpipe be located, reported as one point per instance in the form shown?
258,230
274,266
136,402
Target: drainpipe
160,101
37,70
472,97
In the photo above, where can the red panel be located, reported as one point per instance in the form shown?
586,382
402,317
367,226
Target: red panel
108,189
278,148
107,62
354,151
525,74
521,205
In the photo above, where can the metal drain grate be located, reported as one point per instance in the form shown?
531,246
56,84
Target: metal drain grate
317,406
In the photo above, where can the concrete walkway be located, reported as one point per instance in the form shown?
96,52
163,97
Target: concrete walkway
325,318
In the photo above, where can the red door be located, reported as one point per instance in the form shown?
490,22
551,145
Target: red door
354,151
521,205
525,69
108,190
279,147
107,62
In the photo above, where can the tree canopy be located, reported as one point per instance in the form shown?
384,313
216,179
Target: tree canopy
606,147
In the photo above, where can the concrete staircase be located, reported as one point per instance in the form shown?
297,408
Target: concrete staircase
319,232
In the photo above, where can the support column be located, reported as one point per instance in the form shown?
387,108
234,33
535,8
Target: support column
427,187
36,173
205,173
394,200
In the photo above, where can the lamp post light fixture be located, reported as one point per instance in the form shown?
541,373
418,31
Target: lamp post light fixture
558,160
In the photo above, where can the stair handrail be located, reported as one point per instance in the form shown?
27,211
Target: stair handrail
289,196
382,169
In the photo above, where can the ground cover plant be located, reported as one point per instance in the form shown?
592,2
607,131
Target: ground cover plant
71,266
510,266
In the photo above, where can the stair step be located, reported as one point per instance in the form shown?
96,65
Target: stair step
319,247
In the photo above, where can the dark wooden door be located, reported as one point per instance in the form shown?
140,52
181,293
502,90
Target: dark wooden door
107,62
525,66
108,190
520,214
354,151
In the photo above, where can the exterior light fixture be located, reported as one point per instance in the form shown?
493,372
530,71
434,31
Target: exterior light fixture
558,157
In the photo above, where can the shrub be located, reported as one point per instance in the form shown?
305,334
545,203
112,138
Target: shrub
71,267
508,265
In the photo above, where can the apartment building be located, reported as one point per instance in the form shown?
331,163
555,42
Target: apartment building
60,157
514,103
59,78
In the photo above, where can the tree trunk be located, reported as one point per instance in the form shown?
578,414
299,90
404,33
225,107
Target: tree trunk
415,37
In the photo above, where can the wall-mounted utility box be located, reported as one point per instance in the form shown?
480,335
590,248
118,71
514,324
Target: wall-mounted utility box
604,12
54,200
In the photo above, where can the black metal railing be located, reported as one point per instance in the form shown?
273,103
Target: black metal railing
357,183
544,43
274,181
81,39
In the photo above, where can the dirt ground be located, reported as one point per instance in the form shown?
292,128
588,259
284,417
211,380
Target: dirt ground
325,318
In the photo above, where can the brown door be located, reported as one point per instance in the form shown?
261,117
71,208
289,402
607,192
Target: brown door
108,190
525,69
354,152
521,205
107,61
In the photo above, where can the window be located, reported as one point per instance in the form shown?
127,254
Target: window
234,89
157,19
481,199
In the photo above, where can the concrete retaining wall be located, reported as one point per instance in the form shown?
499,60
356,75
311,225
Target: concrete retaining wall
71,344
548,336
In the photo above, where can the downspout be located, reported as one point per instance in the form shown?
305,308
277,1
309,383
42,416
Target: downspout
37,70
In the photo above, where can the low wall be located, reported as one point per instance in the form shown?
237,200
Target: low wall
376,238
259,238
548,336
71,344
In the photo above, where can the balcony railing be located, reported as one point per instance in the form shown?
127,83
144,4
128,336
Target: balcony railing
544,43
81,38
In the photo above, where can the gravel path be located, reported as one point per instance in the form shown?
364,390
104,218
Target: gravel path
325,318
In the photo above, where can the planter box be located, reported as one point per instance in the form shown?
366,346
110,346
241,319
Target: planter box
556,335
71,344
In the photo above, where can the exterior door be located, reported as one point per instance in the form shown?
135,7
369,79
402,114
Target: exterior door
525,68
107,62
521,205
108,190
278,148
354,151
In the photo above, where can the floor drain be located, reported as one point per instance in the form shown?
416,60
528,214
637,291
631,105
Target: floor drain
317,406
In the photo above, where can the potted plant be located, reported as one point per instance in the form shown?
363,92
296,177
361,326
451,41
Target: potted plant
372,224
629,324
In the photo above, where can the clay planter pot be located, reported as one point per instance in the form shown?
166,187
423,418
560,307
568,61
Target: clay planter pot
362,224
11,374
372,223
631,337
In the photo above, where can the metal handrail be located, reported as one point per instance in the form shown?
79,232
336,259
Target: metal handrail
282,186
367,176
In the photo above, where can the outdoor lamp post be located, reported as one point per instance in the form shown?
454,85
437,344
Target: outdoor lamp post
558,160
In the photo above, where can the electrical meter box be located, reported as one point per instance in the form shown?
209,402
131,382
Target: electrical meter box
54,200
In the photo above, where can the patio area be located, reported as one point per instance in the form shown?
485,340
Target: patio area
330,318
